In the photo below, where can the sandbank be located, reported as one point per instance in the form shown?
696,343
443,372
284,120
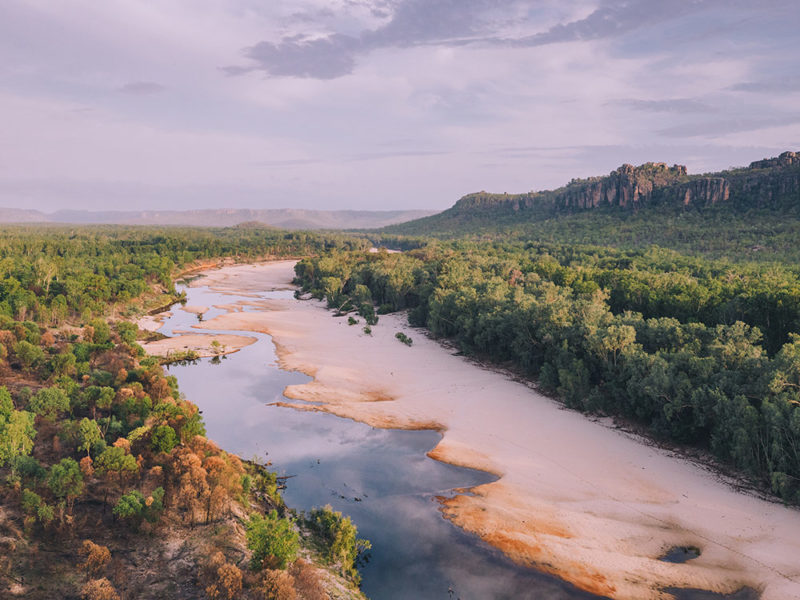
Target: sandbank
152,322
195,310
574,498
201,343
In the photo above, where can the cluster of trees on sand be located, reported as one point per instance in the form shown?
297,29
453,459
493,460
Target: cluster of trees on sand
108,484
701,352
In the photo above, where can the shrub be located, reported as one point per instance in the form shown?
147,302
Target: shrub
339,535
96,557
404,338
278,585
99,589
274,541
164,439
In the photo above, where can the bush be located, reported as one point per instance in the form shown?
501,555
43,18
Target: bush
99,589
339,536
273,541
404,338
164,439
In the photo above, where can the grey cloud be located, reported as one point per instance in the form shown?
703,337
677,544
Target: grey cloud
292,162
397,154
614,19
142,88
787,83
413,23
322,58
723,127
674,105
450,23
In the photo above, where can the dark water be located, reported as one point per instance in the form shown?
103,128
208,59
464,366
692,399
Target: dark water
680,554
381,478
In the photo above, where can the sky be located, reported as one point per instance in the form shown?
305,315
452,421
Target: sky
379,104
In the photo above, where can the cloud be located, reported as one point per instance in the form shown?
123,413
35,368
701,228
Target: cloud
728,126
450,23
613,20
673,105
413,23
785,83
141,88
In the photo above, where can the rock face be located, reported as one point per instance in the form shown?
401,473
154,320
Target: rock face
787,159
770,183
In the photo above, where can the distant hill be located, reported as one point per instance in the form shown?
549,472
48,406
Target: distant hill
767,185
21,215
283,218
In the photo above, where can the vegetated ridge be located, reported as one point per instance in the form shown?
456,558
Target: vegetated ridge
771,184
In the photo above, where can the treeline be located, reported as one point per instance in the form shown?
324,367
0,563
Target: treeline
671,342
714,232
54,274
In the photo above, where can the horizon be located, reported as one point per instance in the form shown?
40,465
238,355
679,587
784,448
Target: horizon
380,104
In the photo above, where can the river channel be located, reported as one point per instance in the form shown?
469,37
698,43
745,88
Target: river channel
381,478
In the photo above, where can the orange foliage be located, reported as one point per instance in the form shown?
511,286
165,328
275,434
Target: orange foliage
278,585
99,589
226,578
307,581
124,444
86,466
96,557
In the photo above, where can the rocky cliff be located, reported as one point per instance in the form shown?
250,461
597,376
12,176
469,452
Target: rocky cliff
769,183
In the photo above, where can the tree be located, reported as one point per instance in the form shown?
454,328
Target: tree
89,432
164,439
96,557
273,541
340,536
65,481
99,589
28,354
116,460
49,402
16,431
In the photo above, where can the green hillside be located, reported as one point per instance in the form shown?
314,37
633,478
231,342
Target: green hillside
749,213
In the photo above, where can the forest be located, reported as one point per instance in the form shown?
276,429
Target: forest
104,465
699,352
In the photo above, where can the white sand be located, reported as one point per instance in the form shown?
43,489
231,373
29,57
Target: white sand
200,343
152,322
575,498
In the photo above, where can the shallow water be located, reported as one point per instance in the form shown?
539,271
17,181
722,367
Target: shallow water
381,478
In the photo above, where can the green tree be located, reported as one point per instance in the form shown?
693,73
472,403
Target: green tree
65,480
340,536
29,355
115,460
164,439
16,431
49,402
274,541
89,433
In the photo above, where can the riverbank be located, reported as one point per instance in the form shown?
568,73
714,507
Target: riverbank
575,498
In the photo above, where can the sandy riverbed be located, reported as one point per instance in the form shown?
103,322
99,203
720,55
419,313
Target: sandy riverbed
575,498
201,343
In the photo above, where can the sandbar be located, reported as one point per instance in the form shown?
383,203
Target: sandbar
201,343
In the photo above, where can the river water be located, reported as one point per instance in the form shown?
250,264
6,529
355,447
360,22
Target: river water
381,478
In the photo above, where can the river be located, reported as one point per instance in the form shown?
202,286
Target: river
381,478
